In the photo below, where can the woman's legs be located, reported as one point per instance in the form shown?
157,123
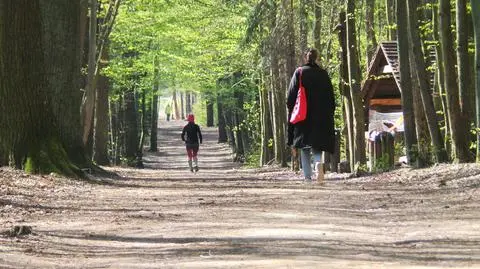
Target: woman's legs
306,158
317,156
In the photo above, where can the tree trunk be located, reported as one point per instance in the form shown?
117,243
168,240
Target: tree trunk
100,141
278,117
303,27
290,38
238,131
222,131
406,85
476,21
143,130
210,112
38,126
266,152
423,138
369,24
467,94
188,102
88,104
355,94
3,159
420,72
83,24
457,120
175,105
317,27
131,127
345,91
464,67
229,124
440,74
154,120
328,48
182,106
116,131
390,12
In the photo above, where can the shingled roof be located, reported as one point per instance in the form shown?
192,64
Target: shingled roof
387,54
386,51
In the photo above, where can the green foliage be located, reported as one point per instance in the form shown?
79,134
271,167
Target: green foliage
200,112
251,125
196,42
382,164
252,160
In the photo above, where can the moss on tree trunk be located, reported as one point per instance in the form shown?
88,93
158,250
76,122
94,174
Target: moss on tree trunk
50,157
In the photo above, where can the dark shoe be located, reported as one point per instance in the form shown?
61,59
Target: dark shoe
191,170
196,168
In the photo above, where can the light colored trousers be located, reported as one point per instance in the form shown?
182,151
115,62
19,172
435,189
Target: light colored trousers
306,157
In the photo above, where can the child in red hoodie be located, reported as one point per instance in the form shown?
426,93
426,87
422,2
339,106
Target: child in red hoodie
192,141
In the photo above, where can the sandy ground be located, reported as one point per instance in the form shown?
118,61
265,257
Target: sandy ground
228,217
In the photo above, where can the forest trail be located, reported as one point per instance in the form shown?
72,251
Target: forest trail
228,217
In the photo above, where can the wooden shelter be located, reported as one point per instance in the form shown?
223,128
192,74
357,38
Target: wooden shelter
382,94
381,90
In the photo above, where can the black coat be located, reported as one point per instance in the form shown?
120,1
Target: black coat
317,130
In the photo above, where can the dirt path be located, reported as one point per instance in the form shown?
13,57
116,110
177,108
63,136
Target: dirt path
226,217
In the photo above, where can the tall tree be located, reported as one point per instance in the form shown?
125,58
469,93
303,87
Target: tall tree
188,102
463,64
210,111
131,126
317,27
344,89
266,152
176,108
302,11
354,81
440,78
390,12
154,120
420,72
458,121
88,104
222,131
100,134
278,105
476,20
38,126
369,24
405,82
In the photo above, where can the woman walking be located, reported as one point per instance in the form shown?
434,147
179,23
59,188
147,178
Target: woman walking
316,132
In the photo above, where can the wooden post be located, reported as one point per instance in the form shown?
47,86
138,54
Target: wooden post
382,152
